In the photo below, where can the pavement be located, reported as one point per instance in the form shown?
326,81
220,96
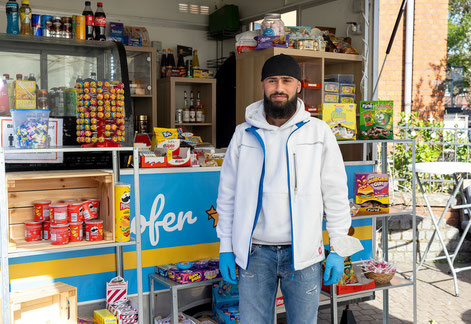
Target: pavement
436,300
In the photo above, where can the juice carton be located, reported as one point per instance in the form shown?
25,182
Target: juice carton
372,193
341,118
376,120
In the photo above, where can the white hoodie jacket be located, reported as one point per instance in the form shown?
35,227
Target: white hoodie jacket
316,183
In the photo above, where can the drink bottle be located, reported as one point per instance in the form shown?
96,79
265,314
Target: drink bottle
89,21
25,18
100,23
12,17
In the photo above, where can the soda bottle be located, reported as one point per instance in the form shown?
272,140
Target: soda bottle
12,17
100,23
25,18
163,64
170,62
181,63
89,21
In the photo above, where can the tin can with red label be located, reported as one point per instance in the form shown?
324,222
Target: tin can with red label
94,230
75,212
33,231
76,232
60,234
96,207
87,210
41,210
47,230
58,213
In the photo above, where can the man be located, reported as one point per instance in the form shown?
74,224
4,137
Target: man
283,169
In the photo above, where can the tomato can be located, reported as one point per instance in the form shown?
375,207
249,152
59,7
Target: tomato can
60,234
76,232
58,213
94,230
46,230
41,210
75,212
122,212
33,231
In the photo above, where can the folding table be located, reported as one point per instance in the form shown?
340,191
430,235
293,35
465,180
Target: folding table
458,170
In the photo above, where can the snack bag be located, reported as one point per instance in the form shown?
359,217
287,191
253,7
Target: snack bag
162,134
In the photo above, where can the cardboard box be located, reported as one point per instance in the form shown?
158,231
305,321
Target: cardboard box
104,316
372,193
341,118
376,120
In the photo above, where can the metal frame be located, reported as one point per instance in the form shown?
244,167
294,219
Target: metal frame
5,256
395,282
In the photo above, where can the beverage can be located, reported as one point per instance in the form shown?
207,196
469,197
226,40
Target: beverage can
36,23
80,27
57,27
46,25
66,27
42,99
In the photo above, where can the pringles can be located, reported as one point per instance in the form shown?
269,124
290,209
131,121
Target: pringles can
80,28
36,23
122,194
46,25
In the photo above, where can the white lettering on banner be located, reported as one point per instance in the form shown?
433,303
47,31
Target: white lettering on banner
169,223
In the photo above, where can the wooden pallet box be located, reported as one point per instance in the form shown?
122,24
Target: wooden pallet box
25,187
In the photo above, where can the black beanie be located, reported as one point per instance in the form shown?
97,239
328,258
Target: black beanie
281,65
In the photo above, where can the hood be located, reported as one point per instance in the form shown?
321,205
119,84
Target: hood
255,116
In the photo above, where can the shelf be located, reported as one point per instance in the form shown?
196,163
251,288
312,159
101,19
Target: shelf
45,247
173,284
396,282
141,96
394,211
188,80
193,124
67,149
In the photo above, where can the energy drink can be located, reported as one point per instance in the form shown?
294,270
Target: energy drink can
66,27
46,25
36,23
80,28
122,192
57,27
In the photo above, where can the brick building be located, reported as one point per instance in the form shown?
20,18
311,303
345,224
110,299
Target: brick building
429,56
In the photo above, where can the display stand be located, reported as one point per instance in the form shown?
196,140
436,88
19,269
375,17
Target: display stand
6,254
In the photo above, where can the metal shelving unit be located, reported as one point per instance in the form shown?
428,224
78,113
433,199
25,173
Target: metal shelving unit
6,255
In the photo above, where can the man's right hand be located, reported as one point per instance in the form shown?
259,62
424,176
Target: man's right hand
227,267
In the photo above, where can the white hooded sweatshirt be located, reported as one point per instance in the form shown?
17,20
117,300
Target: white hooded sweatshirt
285,178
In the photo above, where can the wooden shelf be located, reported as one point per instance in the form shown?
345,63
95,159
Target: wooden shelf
141,96
188,80
193,124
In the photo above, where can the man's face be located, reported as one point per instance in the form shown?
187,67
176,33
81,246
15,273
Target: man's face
280,96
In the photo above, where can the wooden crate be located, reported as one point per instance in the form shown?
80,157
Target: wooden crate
25,187
54,303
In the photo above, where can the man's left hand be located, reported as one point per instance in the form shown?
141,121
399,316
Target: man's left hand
334,266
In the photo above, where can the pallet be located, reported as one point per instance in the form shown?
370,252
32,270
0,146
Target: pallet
25,187
54,303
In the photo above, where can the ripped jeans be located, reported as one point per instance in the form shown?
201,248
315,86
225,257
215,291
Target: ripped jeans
270,264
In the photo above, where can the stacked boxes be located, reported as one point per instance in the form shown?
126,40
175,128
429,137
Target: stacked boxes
341,118
226,303
339,88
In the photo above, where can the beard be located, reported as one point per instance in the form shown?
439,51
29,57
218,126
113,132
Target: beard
279,110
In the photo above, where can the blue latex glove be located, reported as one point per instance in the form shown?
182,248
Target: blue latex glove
333,269
227,267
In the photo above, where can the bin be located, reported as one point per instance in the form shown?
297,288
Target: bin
30,127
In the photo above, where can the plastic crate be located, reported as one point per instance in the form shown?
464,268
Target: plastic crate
340,78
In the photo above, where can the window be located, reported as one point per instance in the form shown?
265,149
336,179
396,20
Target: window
193,8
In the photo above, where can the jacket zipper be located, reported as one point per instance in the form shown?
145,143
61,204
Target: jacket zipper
295,177
299,125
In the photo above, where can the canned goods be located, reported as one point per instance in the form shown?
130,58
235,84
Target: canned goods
58,213
41,210
57,27
87,210
80,28
74,212
76,232
47,230
94,230
60,234
36,23
95,209
46,24
66,27
33,231
122,212
42,99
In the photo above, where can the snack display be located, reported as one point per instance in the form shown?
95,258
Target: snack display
380,271
341,118
188,272
372,193
264,42
376,120
100,113
31,127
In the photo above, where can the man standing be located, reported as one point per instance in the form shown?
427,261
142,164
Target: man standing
283,169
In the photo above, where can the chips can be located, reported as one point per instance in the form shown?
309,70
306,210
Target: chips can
87,210
41,210
58,214
76,232
75,212
33,231
80,28
60,234
46,230
122,193
95,209
94,230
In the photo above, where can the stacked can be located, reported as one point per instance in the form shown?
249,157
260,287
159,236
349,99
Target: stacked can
100,113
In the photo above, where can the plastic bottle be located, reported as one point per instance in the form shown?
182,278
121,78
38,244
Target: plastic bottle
89,21
163,64
25,18
100,23
12,17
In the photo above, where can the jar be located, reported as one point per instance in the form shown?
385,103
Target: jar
141,124
272,25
